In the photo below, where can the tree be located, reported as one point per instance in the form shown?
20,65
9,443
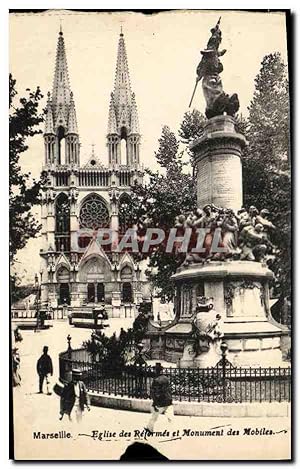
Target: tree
266,172
157,204
266,176
24,121
192,126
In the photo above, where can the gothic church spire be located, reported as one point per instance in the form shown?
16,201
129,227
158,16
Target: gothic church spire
123,115
61,85
61,132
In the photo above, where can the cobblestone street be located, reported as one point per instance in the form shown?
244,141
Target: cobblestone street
40,413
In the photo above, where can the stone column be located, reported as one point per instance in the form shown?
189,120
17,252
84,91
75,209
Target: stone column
217,156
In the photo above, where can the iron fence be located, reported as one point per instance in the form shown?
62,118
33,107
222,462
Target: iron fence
222,383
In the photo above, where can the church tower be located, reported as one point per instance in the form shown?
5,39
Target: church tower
123,124
61,132
77,272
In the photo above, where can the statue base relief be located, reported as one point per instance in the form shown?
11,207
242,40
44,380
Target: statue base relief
240,292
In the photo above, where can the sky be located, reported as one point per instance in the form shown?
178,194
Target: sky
163,51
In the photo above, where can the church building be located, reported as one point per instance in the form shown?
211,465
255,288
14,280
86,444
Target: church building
78,271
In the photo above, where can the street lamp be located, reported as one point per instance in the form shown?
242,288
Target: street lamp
37,301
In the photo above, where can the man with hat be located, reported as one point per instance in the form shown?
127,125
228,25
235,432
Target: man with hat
16,378
162,398
74,397
44,367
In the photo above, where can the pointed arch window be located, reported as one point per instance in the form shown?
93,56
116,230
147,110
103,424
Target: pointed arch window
126,279
61,145
125,213
62,223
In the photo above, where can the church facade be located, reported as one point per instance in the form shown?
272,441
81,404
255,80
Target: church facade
77,271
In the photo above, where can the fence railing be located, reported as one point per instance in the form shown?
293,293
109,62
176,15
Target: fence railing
222,383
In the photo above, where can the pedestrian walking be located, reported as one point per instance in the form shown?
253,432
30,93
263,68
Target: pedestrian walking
161,398
44,368
74,398
70,317
17,334
16,378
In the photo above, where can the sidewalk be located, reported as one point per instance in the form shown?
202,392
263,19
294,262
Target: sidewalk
34,413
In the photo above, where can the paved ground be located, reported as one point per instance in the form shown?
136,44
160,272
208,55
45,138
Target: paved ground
39,413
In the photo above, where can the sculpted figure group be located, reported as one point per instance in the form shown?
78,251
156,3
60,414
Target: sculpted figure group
244,235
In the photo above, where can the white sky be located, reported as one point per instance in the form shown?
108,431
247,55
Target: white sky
163,51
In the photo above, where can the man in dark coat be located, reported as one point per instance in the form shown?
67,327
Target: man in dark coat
16,378
74,396
44,367
162,398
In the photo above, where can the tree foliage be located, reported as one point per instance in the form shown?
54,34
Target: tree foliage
114,352
266,171
24,120
160,201
266,176
191,126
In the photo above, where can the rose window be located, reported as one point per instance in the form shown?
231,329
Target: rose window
94,214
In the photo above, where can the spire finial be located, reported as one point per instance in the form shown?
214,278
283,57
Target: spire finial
121,33
60,28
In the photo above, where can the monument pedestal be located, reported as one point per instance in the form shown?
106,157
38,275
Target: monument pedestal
209,358
217,157
240,290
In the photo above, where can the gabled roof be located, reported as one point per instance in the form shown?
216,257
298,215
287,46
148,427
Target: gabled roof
126,259
63,261
94,250
93,161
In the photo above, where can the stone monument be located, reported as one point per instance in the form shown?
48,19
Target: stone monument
237,278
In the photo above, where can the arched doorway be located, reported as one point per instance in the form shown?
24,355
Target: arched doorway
100,292
95,273
126,279
127,293
95,292
63,278
64,294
